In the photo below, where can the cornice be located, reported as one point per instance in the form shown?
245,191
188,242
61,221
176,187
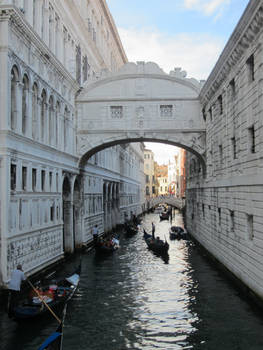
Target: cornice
247,29
113,29
12,14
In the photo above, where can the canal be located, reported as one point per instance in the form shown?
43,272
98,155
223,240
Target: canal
136,300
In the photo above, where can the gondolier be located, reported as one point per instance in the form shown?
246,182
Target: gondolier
153,230
14,287
95,233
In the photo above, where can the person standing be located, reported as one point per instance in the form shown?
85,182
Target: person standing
95,233
153,230
14,287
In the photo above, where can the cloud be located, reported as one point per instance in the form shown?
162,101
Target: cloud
196,53
207,7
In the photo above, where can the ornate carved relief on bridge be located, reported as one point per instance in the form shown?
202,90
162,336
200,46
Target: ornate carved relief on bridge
140,103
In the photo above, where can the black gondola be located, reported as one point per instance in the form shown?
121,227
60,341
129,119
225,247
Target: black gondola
48,298
54,341
164,216
177,232
156,244
106,246
130,229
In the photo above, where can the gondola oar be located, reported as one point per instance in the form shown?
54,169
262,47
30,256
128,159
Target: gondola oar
43,301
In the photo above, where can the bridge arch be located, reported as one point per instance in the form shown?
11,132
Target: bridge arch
115,142
140,103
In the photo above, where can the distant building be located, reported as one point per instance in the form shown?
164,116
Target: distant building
173,175
162,179
149,171
182,178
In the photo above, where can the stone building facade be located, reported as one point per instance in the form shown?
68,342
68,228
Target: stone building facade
48,205
225,205
149,171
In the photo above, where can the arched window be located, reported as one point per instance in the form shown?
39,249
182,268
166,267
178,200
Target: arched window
25,104
43,114
14,91
34,112
51,120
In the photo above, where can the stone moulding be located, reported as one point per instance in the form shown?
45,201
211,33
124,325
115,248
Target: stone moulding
242,38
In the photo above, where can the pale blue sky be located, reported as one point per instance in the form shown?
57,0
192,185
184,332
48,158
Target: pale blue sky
190,34
176,33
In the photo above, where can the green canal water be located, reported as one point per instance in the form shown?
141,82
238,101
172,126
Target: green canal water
134,299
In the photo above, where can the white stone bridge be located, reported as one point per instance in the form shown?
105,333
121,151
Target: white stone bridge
170,200
140,103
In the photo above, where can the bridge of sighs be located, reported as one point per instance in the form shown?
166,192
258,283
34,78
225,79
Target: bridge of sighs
140,103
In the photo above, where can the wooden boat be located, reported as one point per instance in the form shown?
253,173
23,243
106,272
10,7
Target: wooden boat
54,341
46,299
164,216
177,232
157,245
107,246
130,229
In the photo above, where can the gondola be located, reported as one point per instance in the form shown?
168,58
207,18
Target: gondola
130,229
164,216
55,340
46,299
106,246
177,232
156,245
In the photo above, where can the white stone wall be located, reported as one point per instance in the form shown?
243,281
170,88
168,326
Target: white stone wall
225,207
47,51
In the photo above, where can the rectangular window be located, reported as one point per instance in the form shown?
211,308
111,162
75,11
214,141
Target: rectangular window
251,69
251,139
147,178
166,110
50,180
210,113
232,86
24,178
234,147
43,178
221,154
204,114
153,190
52,213
34,179
232,220
116,112
13,177
250,228
220,104
219,216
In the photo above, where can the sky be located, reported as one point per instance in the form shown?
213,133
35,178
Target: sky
189,34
